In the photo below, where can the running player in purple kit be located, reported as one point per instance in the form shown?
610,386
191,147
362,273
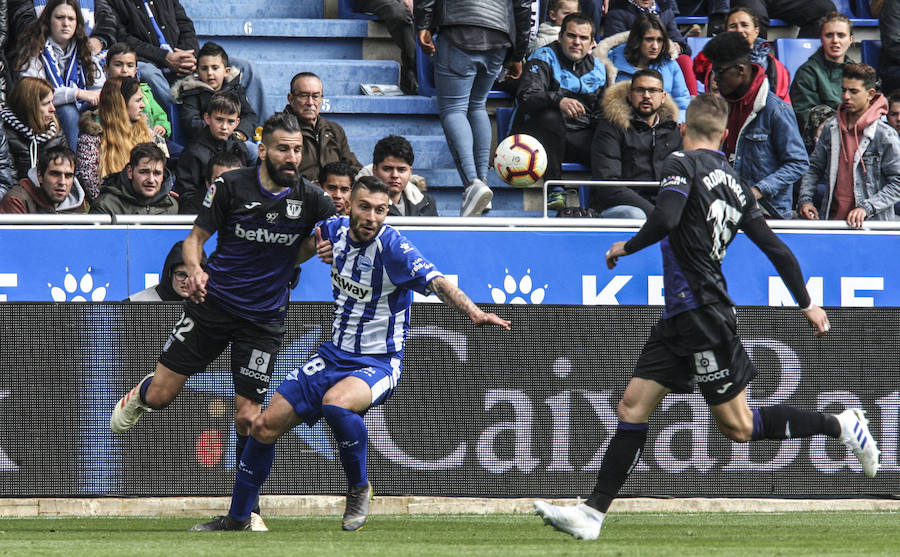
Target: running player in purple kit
700,207
374,271
264,217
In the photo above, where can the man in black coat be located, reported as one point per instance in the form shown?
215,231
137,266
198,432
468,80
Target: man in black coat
636,133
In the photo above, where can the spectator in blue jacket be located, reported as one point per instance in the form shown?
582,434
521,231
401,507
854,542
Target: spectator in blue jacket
763,141
559,99
647,45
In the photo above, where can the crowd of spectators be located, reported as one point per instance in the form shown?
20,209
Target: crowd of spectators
604,84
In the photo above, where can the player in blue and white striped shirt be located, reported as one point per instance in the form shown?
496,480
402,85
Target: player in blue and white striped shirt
374,271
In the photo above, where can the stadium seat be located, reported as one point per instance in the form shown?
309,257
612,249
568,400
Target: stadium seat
870,52
794,52
503,118
843,6
696,44
177,134
345,11
861,9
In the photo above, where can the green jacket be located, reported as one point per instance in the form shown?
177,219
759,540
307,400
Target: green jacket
816,82
156,116
117,197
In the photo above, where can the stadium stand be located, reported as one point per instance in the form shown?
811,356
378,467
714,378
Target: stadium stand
287,37
794,52
871,50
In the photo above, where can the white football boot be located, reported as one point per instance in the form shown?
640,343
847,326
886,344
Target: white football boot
579,521
855,434
129,409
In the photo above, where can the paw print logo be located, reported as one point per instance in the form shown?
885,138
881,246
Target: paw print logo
78,289
522,288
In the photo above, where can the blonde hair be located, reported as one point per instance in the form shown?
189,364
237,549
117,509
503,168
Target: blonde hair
25,101
120,134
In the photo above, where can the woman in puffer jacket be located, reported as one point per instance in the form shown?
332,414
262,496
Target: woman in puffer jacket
30,123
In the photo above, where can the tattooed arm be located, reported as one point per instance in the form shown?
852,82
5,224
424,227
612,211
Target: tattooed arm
457,299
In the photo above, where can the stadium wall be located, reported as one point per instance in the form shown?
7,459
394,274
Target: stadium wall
478,412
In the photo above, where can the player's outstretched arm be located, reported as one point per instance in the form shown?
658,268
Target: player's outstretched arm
457,299
788,268
192,252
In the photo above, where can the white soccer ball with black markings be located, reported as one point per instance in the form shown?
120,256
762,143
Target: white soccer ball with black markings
520,160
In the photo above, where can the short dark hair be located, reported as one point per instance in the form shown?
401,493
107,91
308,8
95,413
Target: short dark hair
284,121
148,150
642,24
225,102
554,4
223,158
728,48
894,97
117,49
301,75
862,72
577,18
393,146
212,49
648,72
372,184
336,168
54,154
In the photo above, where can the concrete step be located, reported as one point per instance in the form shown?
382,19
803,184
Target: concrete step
431,151
340,77
282,27
507,202
449,178
292,52
361,104
198,9
380,125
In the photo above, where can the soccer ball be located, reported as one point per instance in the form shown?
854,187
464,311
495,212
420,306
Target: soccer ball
520,160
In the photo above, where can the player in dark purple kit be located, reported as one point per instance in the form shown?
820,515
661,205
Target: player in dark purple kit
700,207
264,217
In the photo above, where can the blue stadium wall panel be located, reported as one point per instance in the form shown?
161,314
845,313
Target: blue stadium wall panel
478,412
527,265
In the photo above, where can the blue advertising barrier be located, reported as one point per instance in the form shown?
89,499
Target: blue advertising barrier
526,263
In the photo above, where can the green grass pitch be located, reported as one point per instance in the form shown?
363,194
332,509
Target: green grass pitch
626,534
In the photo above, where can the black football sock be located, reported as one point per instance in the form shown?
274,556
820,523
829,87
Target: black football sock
787,422
621,457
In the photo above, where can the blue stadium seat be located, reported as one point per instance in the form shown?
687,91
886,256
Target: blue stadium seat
503,118
177,134
794,52
345,11
843,6
697,44
870,52
861,8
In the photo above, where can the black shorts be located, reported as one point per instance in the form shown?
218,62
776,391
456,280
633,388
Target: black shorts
700,346
203,333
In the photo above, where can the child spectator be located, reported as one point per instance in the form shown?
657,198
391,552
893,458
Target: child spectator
56,48
121,61
109,133
191,175
548,32
30,122
893,115
195,91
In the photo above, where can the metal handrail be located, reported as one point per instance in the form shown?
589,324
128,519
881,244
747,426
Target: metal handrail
594,183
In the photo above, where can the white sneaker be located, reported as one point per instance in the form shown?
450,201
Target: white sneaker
257,524
129,409
855,434
476,198
579,521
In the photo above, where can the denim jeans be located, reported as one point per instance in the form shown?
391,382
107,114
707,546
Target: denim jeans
463,80
68,116
623,212
159,83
